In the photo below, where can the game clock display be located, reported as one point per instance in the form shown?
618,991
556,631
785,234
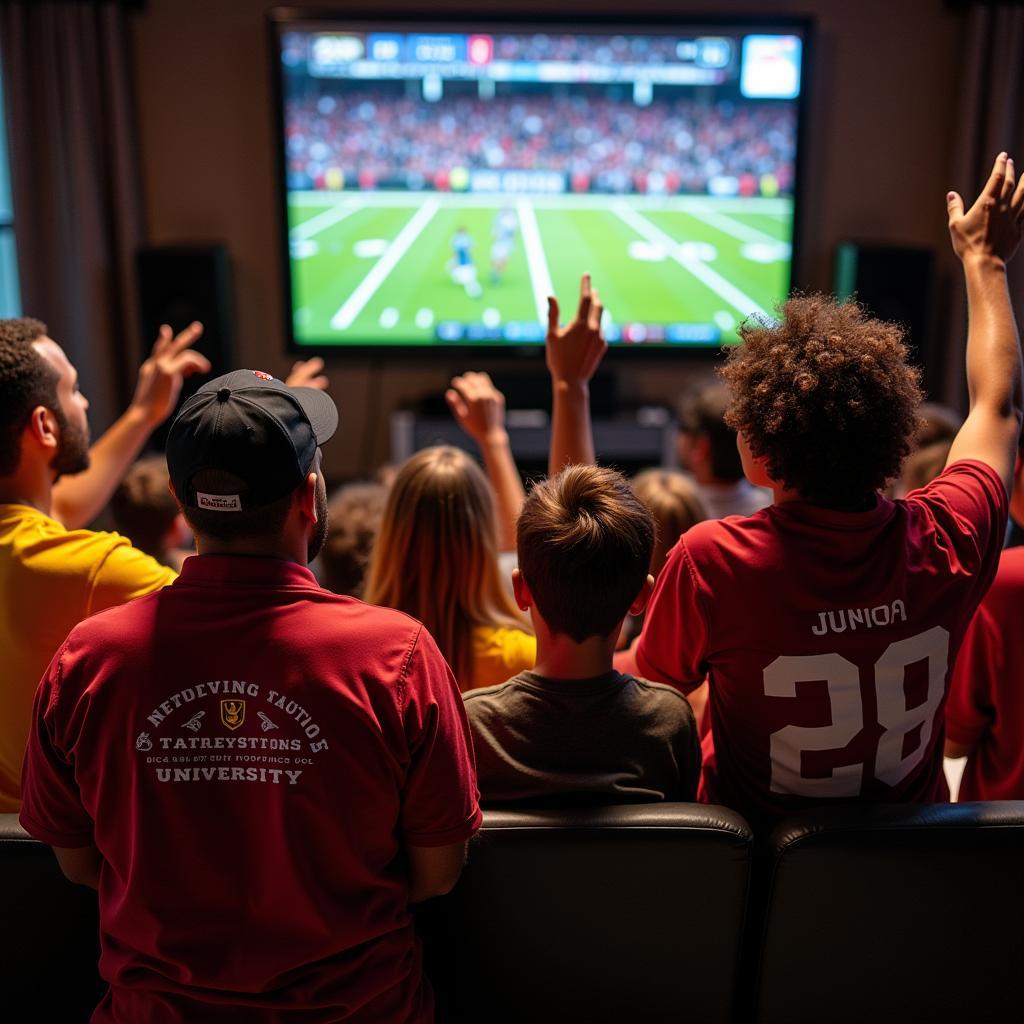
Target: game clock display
440,182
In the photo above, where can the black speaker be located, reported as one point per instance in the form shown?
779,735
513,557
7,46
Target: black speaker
893,282
182,283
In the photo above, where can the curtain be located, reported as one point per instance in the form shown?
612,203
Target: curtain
75,185
990,119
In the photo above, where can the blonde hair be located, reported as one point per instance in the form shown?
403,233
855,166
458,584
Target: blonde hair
436,554
675,506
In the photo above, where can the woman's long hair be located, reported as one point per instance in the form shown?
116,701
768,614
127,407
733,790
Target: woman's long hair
436,555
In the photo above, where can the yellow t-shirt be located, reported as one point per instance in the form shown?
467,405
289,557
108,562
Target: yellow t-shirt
50,579
501,652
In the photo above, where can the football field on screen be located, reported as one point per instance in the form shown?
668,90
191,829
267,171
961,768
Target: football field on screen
377,267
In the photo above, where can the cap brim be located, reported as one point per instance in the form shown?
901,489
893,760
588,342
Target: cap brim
320,410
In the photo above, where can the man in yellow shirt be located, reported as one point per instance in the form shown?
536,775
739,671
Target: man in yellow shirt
54,573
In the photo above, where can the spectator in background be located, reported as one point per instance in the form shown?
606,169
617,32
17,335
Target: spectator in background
674,504
144,510
707,448
354,516
574,731
436,558
934,438
270,882
924,465
53,573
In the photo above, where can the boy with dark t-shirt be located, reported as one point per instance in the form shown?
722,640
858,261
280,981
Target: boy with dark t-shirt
574,731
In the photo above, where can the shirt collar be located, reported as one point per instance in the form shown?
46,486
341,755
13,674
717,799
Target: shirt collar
244,570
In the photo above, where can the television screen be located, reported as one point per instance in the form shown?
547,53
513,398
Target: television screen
442,180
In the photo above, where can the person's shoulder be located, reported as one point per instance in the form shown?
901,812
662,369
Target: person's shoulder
482,699
666,703
44,543
717,537
661,692
341,619
965,478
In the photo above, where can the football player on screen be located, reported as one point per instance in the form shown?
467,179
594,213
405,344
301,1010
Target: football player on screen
504,234
462,268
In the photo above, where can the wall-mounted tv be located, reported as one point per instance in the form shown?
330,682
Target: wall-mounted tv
440,179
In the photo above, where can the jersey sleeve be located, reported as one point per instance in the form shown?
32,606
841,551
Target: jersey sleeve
671,648
440,799
123,574
51,806
967,507
970,708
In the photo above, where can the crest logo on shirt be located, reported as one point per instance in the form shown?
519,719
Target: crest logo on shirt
232,713
143,742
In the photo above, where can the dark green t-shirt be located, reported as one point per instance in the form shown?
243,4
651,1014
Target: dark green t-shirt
570,742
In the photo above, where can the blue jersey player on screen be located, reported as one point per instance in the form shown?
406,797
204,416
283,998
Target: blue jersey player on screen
461,267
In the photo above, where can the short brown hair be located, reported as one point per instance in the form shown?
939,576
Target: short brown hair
27,381
356,511
826,398
143,507
584,541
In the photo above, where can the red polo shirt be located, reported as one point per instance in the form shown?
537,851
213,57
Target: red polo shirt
250,754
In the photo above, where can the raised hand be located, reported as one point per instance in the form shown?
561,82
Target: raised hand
161,375
992,227
574,352
477,405
306,373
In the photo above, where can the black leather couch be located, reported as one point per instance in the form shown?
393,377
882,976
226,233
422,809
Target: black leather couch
639,913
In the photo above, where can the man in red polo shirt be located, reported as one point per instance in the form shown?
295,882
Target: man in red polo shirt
826,624
258,776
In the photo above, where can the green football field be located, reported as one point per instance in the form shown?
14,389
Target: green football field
376,267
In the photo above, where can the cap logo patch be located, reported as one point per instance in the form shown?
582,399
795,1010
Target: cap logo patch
219,502
262,375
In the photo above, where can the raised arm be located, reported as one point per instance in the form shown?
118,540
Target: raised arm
479,408
984,238
79,499
573,355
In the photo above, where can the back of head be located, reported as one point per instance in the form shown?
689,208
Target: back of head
26,382
674,505
143,508
355,511
826,398
702,414
436,555
584,542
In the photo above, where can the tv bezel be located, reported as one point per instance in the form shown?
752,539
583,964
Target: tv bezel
362,19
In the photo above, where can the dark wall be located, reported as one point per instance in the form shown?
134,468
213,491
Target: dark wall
880,141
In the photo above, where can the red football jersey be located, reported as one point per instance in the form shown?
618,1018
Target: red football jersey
986,695
827,639
251,755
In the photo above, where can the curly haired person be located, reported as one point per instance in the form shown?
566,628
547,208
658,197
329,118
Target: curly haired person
827,623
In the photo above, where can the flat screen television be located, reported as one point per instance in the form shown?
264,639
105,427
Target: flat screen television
440,179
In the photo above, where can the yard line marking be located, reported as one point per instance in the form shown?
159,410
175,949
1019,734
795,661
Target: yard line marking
718,284
726,224
313,226
354,304
536,261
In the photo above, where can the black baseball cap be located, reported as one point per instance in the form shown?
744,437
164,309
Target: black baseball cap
251,425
